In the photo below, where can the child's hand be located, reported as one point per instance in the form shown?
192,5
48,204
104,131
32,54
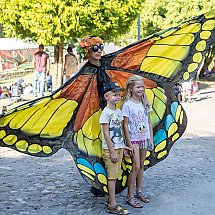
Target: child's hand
126,151
152,146
131,151
113,156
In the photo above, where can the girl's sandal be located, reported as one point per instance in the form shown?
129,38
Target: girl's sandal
134,202
142,197
107,202
117,209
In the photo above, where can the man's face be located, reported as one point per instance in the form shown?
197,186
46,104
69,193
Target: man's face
40,48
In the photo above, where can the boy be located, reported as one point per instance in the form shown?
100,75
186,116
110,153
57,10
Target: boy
112,143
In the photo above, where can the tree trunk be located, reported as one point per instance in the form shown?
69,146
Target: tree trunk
58,65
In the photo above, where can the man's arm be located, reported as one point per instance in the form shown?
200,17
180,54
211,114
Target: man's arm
48,65
34,62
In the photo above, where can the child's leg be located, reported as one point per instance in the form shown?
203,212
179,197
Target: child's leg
112,182
133,174
111,175
189,95
140,173
111,192
139,180
184,95
179,97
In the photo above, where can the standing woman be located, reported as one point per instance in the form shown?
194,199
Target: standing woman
90,50
70,65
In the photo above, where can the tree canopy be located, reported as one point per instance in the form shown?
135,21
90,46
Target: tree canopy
53,21
156,16
163,14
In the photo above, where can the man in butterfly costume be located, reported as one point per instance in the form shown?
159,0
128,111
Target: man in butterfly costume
69,118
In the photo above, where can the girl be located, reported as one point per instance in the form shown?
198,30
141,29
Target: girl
138,133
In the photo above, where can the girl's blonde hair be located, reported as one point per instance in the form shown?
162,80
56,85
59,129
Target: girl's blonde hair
130,83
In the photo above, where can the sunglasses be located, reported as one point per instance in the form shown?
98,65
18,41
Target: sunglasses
95,48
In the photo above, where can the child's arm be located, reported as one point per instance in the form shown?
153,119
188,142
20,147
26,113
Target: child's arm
106,132
127,136
151,133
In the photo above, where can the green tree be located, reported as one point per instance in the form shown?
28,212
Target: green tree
54,22
163,14
160,15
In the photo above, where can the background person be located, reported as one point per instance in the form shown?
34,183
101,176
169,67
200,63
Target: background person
187,91
42,66
28,89
70,65
49,83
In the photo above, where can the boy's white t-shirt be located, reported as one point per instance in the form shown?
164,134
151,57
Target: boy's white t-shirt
114,119
138,124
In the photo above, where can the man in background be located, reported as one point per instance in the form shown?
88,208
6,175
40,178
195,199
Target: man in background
42,67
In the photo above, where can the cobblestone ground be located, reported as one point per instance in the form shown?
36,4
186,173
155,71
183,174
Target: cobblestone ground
182,184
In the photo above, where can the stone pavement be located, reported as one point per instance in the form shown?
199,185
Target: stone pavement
31,185
182,184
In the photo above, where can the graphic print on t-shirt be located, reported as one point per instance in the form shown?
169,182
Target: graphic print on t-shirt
115,129
138,126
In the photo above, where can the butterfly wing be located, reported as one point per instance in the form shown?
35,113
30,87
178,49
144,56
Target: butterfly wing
70,117
164,58
169,122
67,119
33,127
42,126
170,56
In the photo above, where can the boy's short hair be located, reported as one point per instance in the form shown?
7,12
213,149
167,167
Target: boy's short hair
111,86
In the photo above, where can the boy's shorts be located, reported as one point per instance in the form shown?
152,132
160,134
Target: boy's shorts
113,169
